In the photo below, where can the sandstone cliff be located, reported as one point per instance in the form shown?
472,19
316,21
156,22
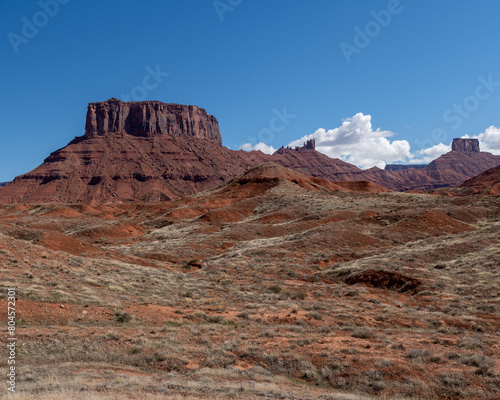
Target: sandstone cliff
150,118
465,145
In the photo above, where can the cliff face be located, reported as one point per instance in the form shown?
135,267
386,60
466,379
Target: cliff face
465,145
150,118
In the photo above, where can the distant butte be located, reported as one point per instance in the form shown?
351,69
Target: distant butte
150,118
465,145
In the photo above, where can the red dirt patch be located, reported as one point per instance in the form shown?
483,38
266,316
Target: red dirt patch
58,242
50,313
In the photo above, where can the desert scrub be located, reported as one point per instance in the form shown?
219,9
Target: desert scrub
363,332
300,295
123,317
483,363
275,289
423,356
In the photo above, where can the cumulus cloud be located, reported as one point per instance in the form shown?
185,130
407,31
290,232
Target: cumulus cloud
356,142
489,140
425,156
268,149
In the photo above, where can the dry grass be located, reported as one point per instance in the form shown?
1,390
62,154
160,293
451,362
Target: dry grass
260,307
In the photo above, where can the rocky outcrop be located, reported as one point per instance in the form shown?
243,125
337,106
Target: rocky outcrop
150,118
465,145
308,145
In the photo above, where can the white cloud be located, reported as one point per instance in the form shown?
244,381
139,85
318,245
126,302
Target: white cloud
357,143
267,149
489,140
425,156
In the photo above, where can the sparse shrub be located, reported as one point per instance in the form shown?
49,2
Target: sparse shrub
385,363
267,333
213,319
301,295
419,354
363,332
136,349
349,351
325,329
123,317
315,315
275,289
375,375
376,386
475,342
218,358
318,307
112,335
452,355
168,361
160,356
480,361
310,374
435,359
173,323
304,342
375,383
450,380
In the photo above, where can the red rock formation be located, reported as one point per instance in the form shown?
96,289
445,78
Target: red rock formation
487,182
121,168
450,169
465,145
152,151
150,118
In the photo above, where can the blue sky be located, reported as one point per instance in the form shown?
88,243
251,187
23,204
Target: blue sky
408,82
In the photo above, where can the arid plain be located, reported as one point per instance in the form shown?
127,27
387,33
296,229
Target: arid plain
272,285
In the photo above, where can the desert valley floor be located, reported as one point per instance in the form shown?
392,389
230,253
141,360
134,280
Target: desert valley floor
273,285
